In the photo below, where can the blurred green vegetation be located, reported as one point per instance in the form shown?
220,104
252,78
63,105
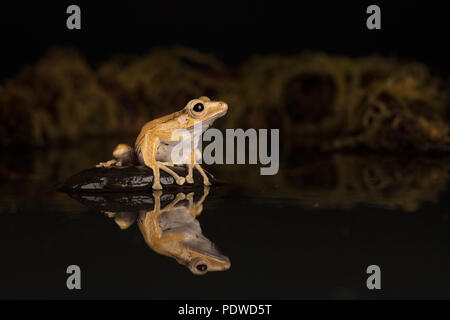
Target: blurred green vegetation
56,99
340,102
330,102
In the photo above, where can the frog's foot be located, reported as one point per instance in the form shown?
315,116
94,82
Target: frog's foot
108,164
190,175
156,185
179,180
190,198
189,179
180,196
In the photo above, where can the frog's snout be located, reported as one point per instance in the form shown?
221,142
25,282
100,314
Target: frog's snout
223,106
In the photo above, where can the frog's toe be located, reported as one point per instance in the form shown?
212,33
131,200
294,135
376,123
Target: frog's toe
157,186
180,196
206,183
181,181
190,196
190,179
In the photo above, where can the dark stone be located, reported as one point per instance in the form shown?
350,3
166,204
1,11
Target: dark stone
127,179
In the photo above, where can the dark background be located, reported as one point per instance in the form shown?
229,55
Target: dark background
277,250
232,30
318,253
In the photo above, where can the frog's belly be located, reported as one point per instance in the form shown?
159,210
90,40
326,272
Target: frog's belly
164,153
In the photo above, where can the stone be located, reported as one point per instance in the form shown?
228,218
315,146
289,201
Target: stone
127,179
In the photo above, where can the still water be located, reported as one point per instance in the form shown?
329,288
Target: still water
308,232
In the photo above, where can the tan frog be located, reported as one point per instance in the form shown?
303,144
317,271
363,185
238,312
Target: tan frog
173,230
158,137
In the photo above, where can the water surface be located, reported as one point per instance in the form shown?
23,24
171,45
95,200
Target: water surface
308,232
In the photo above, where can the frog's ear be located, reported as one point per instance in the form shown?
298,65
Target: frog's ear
204,99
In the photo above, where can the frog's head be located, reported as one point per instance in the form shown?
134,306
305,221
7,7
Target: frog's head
204,111
201,263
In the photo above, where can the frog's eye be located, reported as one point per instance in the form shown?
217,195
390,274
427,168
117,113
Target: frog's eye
199,266
196,108
202,267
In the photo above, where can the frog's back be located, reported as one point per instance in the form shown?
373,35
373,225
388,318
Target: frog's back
151,125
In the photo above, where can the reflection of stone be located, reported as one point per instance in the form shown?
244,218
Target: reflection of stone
167,222
126,179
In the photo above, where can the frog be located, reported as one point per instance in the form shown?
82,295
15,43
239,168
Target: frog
157,139
173,230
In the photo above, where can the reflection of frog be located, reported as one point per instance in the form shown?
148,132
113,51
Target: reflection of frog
157,139
173,230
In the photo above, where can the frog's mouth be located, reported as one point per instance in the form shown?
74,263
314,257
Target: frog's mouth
220,114
201,245
208,122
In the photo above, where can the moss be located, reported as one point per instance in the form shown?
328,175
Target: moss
160,82
329,102
56,99
372,102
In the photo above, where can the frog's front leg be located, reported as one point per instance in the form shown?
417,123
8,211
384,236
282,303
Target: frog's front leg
150,218
157,202
190,175
195,155
197,208
149,152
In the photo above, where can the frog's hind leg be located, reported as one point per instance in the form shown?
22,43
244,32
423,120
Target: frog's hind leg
190,176
190,166
108,164
179,180
149,149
